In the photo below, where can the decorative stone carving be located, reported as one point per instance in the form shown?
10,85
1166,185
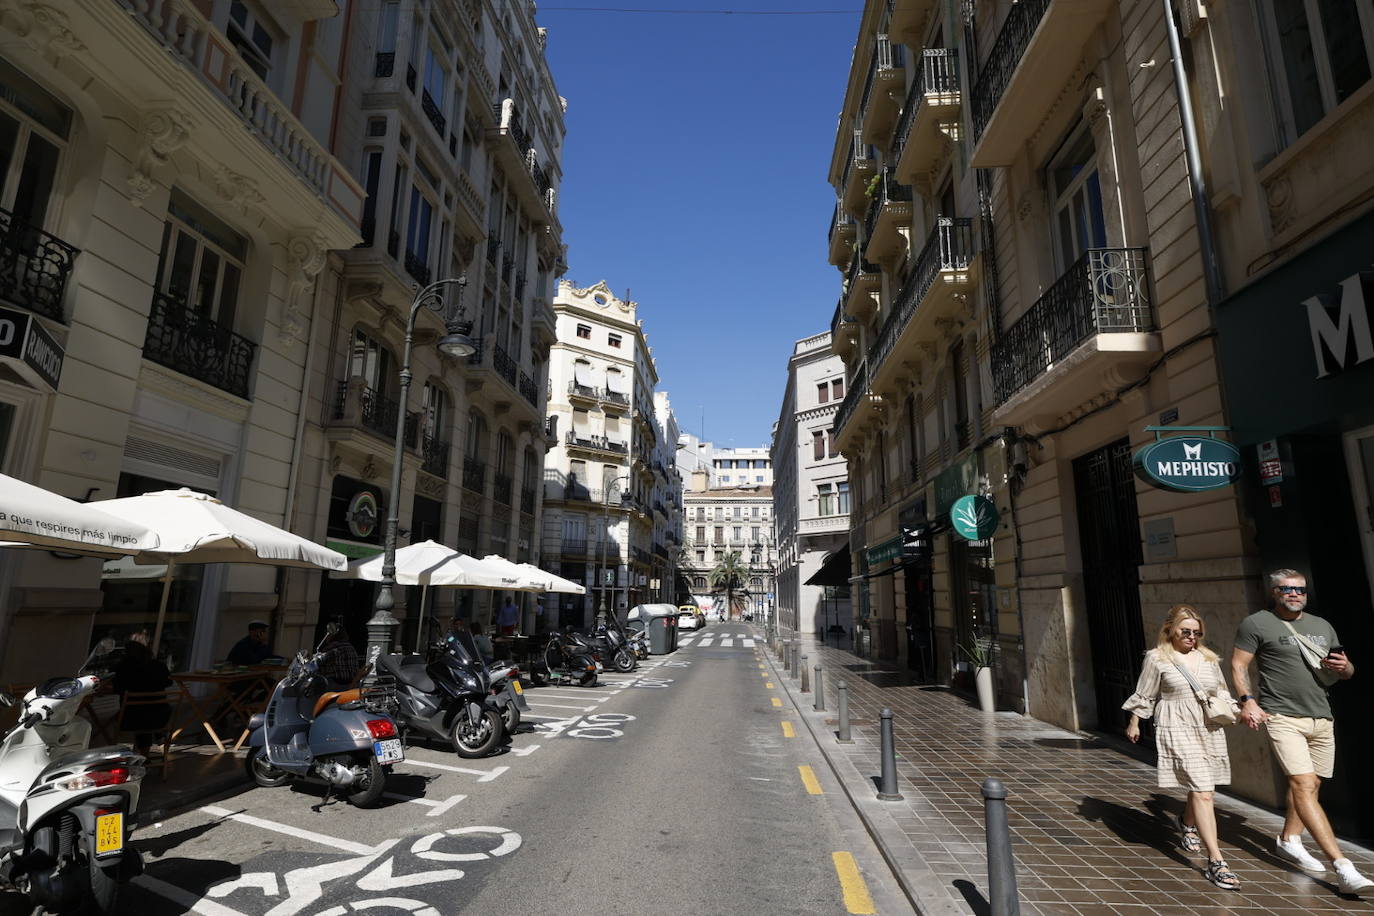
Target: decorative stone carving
370,468
234,188
429,485
43,26
305,254
1024,206
163,132
1278,194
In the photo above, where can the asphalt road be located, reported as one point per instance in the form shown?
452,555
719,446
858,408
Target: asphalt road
675,789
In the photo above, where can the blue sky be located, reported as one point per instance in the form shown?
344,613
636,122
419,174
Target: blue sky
695,175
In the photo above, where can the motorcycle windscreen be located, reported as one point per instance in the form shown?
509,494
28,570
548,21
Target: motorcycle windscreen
464,648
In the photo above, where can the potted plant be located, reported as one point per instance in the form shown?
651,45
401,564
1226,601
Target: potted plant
980,657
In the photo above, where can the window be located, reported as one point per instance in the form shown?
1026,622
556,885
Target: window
372,176
201,262
836,389
842,497
719,535
505,454
577,472
825,499
701,534
613,340
435,75
370,361
754,534
720,513
818,444
738,511
417,234
758,478
250,37
386,38
477,437
1320,53
725,478
701,557
584,331
737,534
434,413
756,511
823,392
1077,195
33,133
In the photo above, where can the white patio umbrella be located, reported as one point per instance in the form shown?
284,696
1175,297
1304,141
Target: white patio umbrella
529,578
198,528
430,563
556,583
34,517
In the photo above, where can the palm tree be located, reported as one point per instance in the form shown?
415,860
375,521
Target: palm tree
729,576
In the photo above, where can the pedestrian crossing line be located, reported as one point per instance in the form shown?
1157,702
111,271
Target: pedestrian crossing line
857,899
788,731
705,643
808,778
777,703
747,643
727,643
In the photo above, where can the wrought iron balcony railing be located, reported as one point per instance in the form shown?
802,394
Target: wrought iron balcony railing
1107,290
434,456
34,267
503,364
194,345
939,73
949,247
857,390
584,391
385,65
527,498
839,221
493,251
474,475
431,110
376,413
519,284
417,268
1017,30
501,485
598,443
858,265
576,548
528,389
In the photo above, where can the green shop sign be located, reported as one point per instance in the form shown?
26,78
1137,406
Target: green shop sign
954,482
974,518
891,549
1188,463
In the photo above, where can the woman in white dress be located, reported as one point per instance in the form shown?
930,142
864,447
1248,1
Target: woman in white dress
1192,753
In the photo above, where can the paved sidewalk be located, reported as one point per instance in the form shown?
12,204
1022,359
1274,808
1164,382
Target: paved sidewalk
1091,831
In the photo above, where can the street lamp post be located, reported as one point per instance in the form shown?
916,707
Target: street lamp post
455,343
606,535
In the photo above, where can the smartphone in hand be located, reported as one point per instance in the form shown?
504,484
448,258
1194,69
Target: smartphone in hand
1335,650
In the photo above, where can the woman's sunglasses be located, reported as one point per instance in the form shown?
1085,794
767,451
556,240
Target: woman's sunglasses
1185,633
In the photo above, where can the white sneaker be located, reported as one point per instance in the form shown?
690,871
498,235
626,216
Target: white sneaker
1291,849
1352,882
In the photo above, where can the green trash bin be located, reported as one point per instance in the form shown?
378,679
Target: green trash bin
660,620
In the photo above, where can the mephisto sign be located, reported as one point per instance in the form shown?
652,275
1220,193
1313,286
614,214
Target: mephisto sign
1188,464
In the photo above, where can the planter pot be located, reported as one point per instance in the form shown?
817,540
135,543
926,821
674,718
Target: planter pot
987,694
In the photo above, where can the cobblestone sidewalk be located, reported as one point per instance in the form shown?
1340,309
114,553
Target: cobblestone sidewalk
1091,831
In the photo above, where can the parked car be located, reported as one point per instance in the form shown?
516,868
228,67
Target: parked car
695,612
687,620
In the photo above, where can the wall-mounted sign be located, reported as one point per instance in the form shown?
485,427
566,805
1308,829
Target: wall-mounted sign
28,347
1188,463
891,549
1270,464
362,514
974,518
955,481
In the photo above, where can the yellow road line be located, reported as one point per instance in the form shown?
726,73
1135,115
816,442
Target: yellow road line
777,702
788,731
856,897
769,685
808,778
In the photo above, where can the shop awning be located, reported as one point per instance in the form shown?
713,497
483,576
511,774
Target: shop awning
582,374
834,568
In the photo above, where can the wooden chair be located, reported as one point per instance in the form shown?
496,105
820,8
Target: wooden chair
172,699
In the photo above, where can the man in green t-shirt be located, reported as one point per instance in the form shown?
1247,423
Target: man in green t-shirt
1293,706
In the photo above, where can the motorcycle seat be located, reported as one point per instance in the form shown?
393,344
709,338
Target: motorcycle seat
330,697
409,670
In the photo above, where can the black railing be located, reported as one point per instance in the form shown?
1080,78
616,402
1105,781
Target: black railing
1106,291
838,319
431,110
858,389
194,345
576,548
410,77
614,397
474,475
501,485
1017,30
859,155
527,498
386,64
581,391
938,75
367,229
503,364
949,247
377,412
528,389
434,456
858,265
493,250
599,443
34,267
507,266
519,284
417,268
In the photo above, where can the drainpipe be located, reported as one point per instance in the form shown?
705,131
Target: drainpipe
1211,263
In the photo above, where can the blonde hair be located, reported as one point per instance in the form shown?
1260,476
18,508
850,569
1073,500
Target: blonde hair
1177,614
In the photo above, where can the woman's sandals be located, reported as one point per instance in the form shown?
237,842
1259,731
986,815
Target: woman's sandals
1220,874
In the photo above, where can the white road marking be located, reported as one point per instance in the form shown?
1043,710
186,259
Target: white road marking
482,775
705,643
524,751
438,807
727,643
748,643
564,696
263,881
561,706
424,847
187,899
288,830
305,886
384,878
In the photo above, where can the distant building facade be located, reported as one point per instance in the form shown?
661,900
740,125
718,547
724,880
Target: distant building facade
722,520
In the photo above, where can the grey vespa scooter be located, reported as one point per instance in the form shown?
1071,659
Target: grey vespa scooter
340,738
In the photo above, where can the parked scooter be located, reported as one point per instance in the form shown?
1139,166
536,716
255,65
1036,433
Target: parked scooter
639,642
570,658
66,812
611,647
448,696
508,692
345,739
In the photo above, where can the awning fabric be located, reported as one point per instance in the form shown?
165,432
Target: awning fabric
834,568
615,381
582,374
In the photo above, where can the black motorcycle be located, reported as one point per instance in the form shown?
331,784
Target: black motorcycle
447,696
611,646
569,657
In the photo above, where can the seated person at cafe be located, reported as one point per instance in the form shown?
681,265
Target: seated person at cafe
253,649
483,642
341,662
139,672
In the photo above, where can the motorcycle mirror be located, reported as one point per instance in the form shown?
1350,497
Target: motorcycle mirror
7,699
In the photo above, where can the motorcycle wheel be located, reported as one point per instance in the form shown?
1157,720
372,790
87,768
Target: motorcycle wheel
510,718
624,660
104,899
261,771
479,741
588,679
370,788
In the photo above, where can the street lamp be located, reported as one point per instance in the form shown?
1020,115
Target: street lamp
457,344
606,534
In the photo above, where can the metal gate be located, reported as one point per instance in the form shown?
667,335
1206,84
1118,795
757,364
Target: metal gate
1109,537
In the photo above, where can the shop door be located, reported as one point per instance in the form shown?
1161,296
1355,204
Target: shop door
920,620
1109,537
1359,451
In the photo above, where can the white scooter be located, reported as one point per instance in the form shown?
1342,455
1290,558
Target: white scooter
66,811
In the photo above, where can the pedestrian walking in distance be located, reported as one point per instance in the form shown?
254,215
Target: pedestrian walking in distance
1299,658
1192,752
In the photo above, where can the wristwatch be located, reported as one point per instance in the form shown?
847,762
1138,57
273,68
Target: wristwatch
1244,697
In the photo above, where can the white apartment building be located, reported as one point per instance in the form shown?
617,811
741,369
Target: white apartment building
606,483
728,467
721,520
810,491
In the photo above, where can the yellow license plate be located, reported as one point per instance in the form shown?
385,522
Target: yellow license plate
109,834
518,688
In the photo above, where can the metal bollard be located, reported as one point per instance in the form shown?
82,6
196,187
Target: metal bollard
842,692
805,681
1001,862
887,784
787,657
792,658
820,691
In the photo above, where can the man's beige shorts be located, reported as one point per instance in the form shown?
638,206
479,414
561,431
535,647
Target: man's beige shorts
1303,745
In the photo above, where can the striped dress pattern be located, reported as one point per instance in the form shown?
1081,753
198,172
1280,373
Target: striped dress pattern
1192,753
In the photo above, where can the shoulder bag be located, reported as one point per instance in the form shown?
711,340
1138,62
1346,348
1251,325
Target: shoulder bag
1216,709
1313,655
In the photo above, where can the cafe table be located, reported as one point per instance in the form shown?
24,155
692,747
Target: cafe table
231,690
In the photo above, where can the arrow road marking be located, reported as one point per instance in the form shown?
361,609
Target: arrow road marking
482,775
288,830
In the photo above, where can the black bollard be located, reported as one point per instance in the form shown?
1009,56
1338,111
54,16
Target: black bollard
820,691
887,785
787,657
1001,863
805,681
842,692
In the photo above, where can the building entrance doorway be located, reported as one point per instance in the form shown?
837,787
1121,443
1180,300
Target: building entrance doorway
1109,538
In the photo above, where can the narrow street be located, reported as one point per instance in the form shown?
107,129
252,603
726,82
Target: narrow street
673,789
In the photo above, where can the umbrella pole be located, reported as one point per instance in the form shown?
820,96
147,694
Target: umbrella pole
420,630
162,606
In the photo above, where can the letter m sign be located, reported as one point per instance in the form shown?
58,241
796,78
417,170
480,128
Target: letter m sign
1340,324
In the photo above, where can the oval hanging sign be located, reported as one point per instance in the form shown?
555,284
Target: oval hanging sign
974,518
1188,464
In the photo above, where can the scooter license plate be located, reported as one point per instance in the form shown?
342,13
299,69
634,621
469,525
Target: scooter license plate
515,685
109,834
389,751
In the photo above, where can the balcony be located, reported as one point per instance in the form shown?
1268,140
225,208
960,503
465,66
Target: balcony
862,284
513,150
475,476
385,64
859,403
34,267
1092,331
908,21
528,389
1036,52
503,364
943,270
882,90
842,232
501,487
194,345
828,524
417,268
431,110
356,405
592,443
574,548
930,117
844,332
434,456
891,212
858,171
